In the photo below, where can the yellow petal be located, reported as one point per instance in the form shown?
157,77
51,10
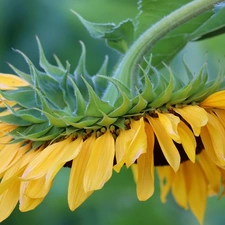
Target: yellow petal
6,128
122,142
8,200
216,100
15,171
179,189
221,115
27,204
40,165
138,145
76,193
100,164
36,188
4,102
168,148
10,82
196,189
208,145
145,167
211,171
7,154
134,169
66,155
170,123
216,132
4,140
166,176
187,140
195,116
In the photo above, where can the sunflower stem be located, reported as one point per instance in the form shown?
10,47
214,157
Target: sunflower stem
128,68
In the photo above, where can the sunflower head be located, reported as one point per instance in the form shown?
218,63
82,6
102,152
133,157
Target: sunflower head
95,124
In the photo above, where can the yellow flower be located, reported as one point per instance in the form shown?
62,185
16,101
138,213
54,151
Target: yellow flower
184,143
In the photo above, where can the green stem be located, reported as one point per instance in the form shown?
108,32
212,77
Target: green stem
127,69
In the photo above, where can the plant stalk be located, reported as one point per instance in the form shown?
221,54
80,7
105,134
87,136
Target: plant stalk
127,71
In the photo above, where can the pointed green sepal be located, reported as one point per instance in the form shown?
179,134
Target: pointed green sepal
106,120
140,104
95,105
53,71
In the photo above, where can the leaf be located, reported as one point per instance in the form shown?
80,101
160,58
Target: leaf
166,48
119,37
212,26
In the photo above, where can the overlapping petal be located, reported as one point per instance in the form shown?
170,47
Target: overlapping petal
194,115
168,148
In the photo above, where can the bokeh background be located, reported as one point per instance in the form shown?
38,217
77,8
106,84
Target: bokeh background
60,32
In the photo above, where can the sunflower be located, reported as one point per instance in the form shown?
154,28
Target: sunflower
48,122
96,124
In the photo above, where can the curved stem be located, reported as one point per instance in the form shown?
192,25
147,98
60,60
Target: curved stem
127,67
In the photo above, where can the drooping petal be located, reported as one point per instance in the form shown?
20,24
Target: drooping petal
100,164
145,167
66,155
138,144
221,115
215,129
166,177
40,165
122,142
27,203
134,169
170,123
187,140
209,147
211,171
196,189
8,200
7,154
179,189
76,193
168,148
194,115
37,188
216,100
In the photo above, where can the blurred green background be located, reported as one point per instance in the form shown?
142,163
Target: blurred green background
60,31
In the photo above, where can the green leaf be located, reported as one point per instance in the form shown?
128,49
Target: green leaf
212,25
165,49
119,37
97,30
